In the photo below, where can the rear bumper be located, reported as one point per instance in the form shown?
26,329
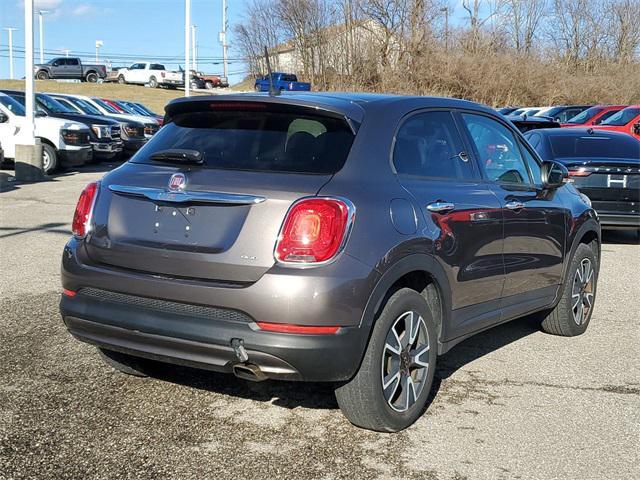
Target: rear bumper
192,323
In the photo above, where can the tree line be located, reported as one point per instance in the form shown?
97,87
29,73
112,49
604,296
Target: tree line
493,51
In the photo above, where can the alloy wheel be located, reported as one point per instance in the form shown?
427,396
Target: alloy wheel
405,361
582,292
46,160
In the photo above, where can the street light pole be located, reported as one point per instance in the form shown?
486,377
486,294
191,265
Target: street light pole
99,43
194,46
10,30
40,14
223,39
187,47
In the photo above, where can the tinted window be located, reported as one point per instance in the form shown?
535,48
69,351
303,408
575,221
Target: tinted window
72,61
428,145
585,116
156,66
86,107
533,165
12,105
497,147
604,116
534,139
257,137
53,105
622,117
105,105
565,146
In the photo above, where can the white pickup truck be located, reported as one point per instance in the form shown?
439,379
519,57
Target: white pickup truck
64,142
153,74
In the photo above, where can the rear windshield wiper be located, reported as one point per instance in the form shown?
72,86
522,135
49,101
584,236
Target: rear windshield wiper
178,155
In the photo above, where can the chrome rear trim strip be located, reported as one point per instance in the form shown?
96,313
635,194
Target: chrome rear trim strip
163,195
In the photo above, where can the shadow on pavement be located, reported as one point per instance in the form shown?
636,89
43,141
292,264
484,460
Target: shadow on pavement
320,395
46,227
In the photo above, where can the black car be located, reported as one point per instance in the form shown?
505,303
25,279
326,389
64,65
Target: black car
525,123
562,113
605,166
507,110
347,238
104,133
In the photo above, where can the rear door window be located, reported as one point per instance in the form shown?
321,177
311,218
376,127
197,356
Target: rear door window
429,145
257,137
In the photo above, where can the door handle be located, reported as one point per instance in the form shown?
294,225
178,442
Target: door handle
441,207
514,205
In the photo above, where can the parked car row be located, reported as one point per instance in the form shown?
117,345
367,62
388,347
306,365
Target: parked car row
77,129
600,145
621,118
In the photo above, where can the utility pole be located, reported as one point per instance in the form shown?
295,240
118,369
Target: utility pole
446,27
66,53
194,47
40,14
99,43
223,40
187,70
10,30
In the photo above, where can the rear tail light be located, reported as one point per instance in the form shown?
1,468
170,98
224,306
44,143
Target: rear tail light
84,209
68,293
581,172
314,230
303,329
162,74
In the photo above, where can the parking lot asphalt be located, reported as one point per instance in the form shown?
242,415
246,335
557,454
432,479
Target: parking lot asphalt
512,402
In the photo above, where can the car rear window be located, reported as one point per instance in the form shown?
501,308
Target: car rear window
565,146
257,137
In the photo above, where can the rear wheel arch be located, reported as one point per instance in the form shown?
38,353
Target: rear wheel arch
419,272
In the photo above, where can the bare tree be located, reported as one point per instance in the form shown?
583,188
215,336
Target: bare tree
480,14
522,20
624,29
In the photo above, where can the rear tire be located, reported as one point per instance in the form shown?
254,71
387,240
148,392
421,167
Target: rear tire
572,314
124,363
393,358
153,82
49,159
92,77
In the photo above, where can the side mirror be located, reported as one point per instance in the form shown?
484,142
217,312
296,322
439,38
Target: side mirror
554,174
636,128
3,117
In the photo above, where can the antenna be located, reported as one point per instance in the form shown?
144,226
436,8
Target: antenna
272,91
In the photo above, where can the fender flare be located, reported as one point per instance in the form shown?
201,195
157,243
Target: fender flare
410,263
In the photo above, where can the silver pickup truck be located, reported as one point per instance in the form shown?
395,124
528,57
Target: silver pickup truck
69,68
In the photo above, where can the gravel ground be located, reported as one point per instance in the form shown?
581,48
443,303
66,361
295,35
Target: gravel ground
509,403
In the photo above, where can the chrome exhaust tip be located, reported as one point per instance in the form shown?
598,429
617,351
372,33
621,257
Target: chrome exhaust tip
248,371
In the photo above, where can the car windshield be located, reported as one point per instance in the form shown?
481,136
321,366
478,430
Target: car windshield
105,105
594,146
126,107
257,137
145,109
52,105
585,116
86,107
12,105
549,112
622,117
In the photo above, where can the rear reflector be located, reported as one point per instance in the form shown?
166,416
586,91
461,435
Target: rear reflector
286,328
68,293
84,208
314,230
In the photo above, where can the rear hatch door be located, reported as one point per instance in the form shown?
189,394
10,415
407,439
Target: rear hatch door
206,197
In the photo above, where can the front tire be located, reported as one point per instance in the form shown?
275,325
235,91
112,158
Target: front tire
572,314
49,159
390,390
42,75
121,80
208,85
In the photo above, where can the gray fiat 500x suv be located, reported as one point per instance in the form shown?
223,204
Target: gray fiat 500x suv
349,238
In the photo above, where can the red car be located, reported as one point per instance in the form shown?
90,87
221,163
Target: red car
593,116
626,120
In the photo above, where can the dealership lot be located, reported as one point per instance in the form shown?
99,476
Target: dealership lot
510,403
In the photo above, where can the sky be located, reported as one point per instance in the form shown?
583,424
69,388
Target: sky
130,30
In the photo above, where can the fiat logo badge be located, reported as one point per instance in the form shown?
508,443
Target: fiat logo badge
177,182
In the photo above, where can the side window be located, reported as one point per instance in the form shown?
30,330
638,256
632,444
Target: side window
499,154
72,61
429,145
605,116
